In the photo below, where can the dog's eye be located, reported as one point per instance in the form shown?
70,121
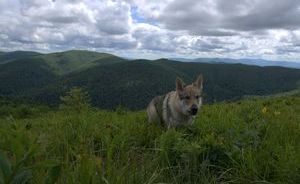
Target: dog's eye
187,97
198,96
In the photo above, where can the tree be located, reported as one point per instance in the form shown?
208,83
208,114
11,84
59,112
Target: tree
76,100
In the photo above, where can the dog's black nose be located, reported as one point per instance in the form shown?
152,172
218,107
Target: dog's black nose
194,109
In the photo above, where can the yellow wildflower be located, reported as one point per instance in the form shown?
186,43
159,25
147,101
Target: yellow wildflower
264,110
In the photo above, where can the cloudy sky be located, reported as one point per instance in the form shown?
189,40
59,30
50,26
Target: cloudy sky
268,29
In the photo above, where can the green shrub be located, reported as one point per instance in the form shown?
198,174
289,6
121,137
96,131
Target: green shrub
75,100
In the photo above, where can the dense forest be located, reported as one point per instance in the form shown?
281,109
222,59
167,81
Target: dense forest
112,81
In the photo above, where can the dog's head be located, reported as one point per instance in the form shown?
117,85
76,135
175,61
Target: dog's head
190,96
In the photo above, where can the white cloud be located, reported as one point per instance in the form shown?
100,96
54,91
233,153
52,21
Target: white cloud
154,28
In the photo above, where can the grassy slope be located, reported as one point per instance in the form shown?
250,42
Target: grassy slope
75,60
250,141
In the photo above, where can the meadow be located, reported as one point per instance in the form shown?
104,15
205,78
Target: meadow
255,140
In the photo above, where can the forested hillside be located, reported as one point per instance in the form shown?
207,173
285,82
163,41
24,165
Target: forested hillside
112,81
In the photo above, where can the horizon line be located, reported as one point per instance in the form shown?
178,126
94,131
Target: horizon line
158,58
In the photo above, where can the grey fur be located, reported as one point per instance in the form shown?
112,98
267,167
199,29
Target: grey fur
172,111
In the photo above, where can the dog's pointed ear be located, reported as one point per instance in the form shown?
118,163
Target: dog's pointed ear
199,82
179,84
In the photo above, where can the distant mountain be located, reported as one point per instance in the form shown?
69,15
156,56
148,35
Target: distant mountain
261,62
186,60
63,62
113,81
257,62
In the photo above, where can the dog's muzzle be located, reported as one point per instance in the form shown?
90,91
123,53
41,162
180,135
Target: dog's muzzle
194,110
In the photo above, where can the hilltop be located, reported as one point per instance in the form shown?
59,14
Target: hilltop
62,63
77,60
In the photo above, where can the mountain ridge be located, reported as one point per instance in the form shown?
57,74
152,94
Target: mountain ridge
63,62
256,62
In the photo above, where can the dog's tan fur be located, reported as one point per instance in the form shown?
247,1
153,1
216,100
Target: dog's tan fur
177,108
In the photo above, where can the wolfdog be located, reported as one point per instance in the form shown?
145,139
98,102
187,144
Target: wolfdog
177,108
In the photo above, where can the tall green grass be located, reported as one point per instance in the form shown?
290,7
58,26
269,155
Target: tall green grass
250,141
